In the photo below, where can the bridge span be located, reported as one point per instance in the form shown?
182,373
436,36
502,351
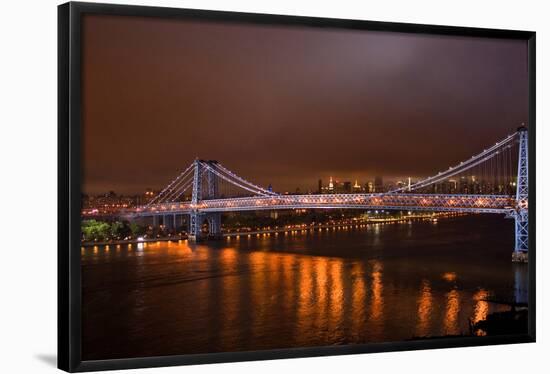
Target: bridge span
204,179
499,204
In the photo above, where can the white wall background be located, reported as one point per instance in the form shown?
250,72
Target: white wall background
28,183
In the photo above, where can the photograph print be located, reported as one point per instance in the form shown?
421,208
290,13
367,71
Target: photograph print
255,186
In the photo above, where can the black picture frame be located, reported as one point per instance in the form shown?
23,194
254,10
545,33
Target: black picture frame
69,185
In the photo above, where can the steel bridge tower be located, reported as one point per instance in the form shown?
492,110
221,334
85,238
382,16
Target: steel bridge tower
214,219
196,218
521,214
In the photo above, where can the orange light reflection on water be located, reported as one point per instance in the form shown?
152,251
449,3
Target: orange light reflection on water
377,287
230,295
336,293
481,309
449,276
451,314
424,309
358,296
306,306
312,298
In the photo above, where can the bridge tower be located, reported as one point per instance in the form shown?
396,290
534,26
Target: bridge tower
521,215
214,219
197,218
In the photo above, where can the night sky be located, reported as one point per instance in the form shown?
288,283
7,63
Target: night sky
288,105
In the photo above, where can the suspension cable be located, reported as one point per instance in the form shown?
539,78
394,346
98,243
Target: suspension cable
462,167
168,188
258,191
244,181
177,192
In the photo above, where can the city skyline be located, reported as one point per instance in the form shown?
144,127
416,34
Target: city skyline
310,187
301,103
112,199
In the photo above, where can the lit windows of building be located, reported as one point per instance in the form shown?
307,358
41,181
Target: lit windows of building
356,187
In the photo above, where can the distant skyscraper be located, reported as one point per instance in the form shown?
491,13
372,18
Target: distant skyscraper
330,186
346,187
369,187
452,185
320,189
378,184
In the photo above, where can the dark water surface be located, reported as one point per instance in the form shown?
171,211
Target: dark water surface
380,283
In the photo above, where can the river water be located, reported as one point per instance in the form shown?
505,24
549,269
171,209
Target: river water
380,283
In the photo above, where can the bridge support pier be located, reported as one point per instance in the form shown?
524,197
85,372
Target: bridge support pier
521,284
195,223
521,250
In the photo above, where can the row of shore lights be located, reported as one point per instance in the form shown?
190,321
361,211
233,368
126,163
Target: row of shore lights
320,229
292,232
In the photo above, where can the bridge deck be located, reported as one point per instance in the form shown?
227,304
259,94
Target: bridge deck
391,201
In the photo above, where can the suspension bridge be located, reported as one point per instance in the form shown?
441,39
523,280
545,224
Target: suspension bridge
494,181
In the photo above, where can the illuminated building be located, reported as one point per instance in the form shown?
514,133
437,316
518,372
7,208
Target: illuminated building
356,187
369,187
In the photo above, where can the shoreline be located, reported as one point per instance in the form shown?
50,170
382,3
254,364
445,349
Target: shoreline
286,229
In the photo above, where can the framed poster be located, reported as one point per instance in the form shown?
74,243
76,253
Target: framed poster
247,186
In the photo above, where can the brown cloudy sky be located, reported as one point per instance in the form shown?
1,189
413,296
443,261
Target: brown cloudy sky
288,105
